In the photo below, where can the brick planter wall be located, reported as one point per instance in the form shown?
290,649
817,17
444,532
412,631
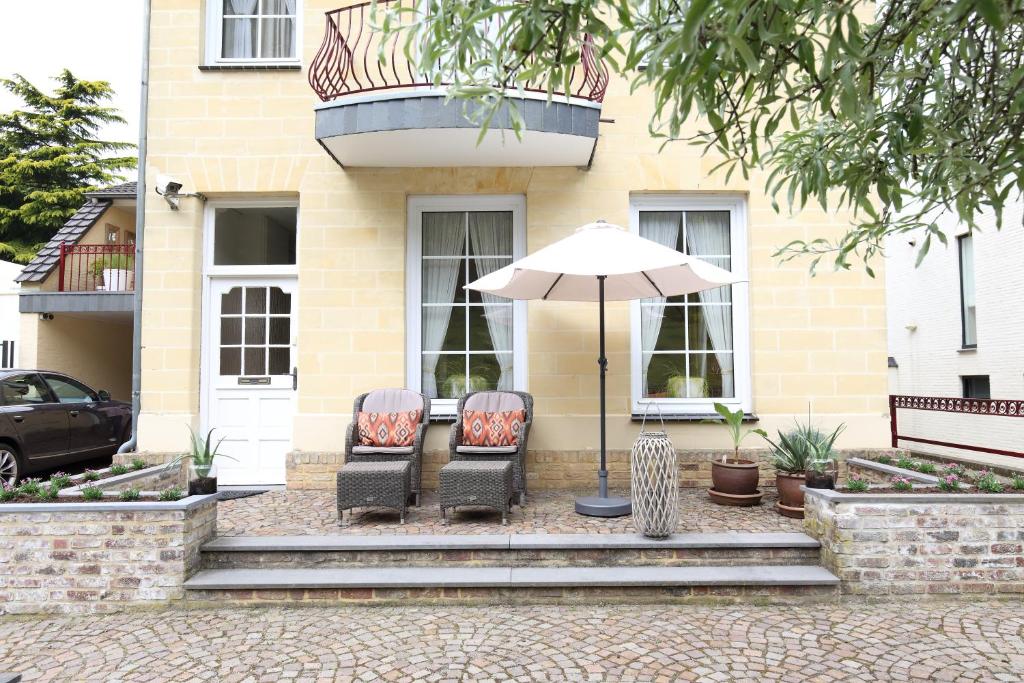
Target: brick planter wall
156,478
553,469
99,557
882,544
879,473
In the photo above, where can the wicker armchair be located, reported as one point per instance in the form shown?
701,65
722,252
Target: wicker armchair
495,401
390,401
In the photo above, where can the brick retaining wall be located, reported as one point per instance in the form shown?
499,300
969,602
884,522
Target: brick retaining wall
552,469
881,544
99,557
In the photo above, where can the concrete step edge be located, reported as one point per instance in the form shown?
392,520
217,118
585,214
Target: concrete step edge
510,577
439,542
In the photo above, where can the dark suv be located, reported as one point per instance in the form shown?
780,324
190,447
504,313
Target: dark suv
49,419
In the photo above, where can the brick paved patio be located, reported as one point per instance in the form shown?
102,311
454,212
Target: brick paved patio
851,642
285,513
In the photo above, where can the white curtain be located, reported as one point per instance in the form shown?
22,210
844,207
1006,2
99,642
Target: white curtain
238,33
967,287
490,234
661,227
279,34
444,234
707,234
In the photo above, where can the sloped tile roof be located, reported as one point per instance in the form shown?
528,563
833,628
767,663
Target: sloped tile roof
122,191
72,231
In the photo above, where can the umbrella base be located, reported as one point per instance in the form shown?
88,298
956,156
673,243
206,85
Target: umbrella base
596,506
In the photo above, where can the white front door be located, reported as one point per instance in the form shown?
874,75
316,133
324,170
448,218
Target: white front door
251,381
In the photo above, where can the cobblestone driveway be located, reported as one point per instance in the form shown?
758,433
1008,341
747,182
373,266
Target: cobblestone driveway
895,642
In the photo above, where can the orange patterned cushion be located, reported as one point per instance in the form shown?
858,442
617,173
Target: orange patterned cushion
492,429
388,429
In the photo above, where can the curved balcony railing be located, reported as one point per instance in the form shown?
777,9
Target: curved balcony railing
348,63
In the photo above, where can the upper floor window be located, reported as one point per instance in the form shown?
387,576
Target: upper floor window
969,322
461,340
253,31
691,351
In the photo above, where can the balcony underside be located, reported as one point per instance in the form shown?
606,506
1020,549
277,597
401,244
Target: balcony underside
106,305
419,129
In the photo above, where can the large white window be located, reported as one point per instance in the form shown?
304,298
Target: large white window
253,31
691,351
461,340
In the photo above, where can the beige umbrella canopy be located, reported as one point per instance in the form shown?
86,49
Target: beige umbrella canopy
603,262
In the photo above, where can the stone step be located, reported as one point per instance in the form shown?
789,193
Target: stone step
516,550
511,584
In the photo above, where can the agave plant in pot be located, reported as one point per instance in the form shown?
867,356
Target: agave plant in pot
734,480
797,455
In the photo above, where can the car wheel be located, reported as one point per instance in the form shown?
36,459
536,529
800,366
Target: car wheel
10,465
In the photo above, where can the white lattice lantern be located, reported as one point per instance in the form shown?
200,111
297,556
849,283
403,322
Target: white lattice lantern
655,484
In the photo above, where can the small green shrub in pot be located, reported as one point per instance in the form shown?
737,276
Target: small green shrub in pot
112,262
735,477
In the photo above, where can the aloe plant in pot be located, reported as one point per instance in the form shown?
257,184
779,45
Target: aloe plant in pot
734,480
202,471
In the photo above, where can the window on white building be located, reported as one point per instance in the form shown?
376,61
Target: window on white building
253,31
969,321
976,386
691,351
461,340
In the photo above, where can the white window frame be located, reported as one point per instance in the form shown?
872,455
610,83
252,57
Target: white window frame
736,206
417,206
210,225
215,37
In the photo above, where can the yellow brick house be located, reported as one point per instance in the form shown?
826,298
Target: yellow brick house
344,205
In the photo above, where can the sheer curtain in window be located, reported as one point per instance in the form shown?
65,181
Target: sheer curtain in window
707,232
444,234
239,34
278,39
490,234
661,227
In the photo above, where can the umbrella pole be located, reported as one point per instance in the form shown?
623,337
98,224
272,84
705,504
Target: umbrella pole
601,505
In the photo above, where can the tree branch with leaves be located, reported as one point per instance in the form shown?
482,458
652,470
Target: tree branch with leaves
897,110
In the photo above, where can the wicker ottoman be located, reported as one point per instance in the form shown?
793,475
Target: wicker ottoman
373,484
476,482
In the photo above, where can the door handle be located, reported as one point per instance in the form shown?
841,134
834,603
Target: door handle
19,418
73,413
295,378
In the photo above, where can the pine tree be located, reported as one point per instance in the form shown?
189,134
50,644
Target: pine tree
50,156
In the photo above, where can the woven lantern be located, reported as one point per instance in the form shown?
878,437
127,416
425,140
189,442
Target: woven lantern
655,484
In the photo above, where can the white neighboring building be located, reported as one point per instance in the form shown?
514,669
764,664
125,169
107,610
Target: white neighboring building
10,319
956,329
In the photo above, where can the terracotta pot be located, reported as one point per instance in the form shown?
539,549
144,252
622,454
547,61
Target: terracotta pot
735,477
789,485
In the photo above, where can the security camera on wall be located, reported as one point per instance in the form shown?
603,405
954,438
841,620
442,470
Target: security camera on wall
169,188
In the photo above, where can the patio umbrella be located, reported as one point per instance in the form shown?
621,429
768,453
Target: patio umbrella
603,262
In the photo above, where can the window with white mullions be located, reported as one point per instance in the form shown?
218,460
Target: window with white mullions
467,336
255,331
690,351
258,30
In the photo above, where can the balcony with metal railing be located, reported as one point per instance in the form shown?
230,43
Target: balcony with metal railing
96,268
380,110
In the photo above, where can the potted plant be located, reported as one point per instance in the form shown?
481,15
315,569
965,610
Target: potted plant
116,271
801,455
734,480
202,471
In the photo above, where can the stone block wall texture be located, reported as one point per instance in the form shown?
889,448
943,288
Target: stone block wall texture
553,469
151,479
63,559
914,546
250,135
